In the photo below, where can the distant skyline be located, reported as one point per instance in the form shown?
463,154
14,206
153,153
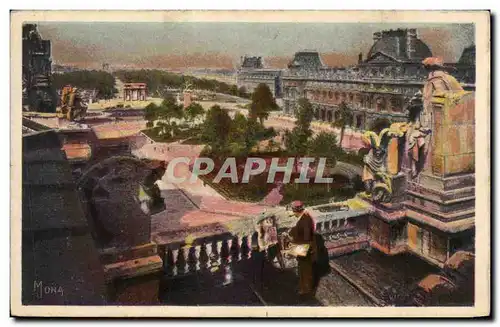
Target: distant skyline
220,45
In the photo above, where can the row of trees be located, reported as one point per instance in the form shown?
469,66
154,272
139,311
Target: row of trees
158,80
101,81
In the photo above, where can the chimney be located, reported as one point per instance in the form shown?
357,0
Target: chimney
411,41
360,57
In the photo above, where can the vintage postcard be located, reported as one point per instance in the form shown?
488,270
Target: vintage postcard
250,164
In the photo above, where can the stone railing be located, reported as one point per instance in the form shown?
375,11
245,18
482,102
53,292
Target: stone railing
205,254
222,251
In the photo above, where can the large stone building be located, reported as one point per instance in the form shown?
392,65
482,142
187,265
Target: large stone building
252,72
38,93
377,89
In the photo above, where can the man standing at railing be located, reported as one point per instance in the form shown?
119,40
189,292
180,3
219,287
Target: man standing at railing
303,234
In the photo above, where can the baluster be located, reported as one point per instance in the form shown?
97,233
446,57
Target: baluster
219,253
245,248
203,258
192,259
175,254
319,227
235,249
181,262
345,222
327,225
338,223
213,256
224,252
185,253
229,251
197,254
208,247
169,262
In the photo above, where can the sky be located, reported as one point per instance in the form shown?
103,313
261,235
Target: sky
207,44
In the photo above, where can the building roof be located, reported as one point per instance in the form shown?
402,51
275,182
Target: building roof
468,56
400,45
252,62
57,248
306,59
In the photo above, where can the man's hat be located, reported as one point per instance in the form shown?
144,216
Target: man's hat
433,61
297,206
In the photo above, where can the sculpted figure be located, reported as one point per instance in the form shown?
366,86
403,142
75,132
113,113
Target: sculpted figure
374,171
418,138
438,81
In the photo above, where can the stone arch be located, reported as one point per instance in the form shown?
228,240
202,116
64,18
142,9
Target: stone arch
330,94
324,94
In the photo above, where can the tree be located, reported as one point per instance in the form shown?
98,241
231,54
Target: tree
193,111
216,129
262,102
169,109
233,89
305,116
162,118
324,145
102,82
296,141
242,92
345,119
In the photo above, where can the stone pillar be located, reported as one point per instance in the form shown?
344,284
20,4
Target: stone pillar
443,195
393,156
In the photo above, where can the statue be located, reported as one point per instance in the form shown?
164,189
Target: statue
382,162
419,133
438,81
374,171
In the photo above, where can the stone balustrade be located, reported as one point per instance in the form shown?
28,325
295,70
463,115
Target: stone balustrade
218,252
205,254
